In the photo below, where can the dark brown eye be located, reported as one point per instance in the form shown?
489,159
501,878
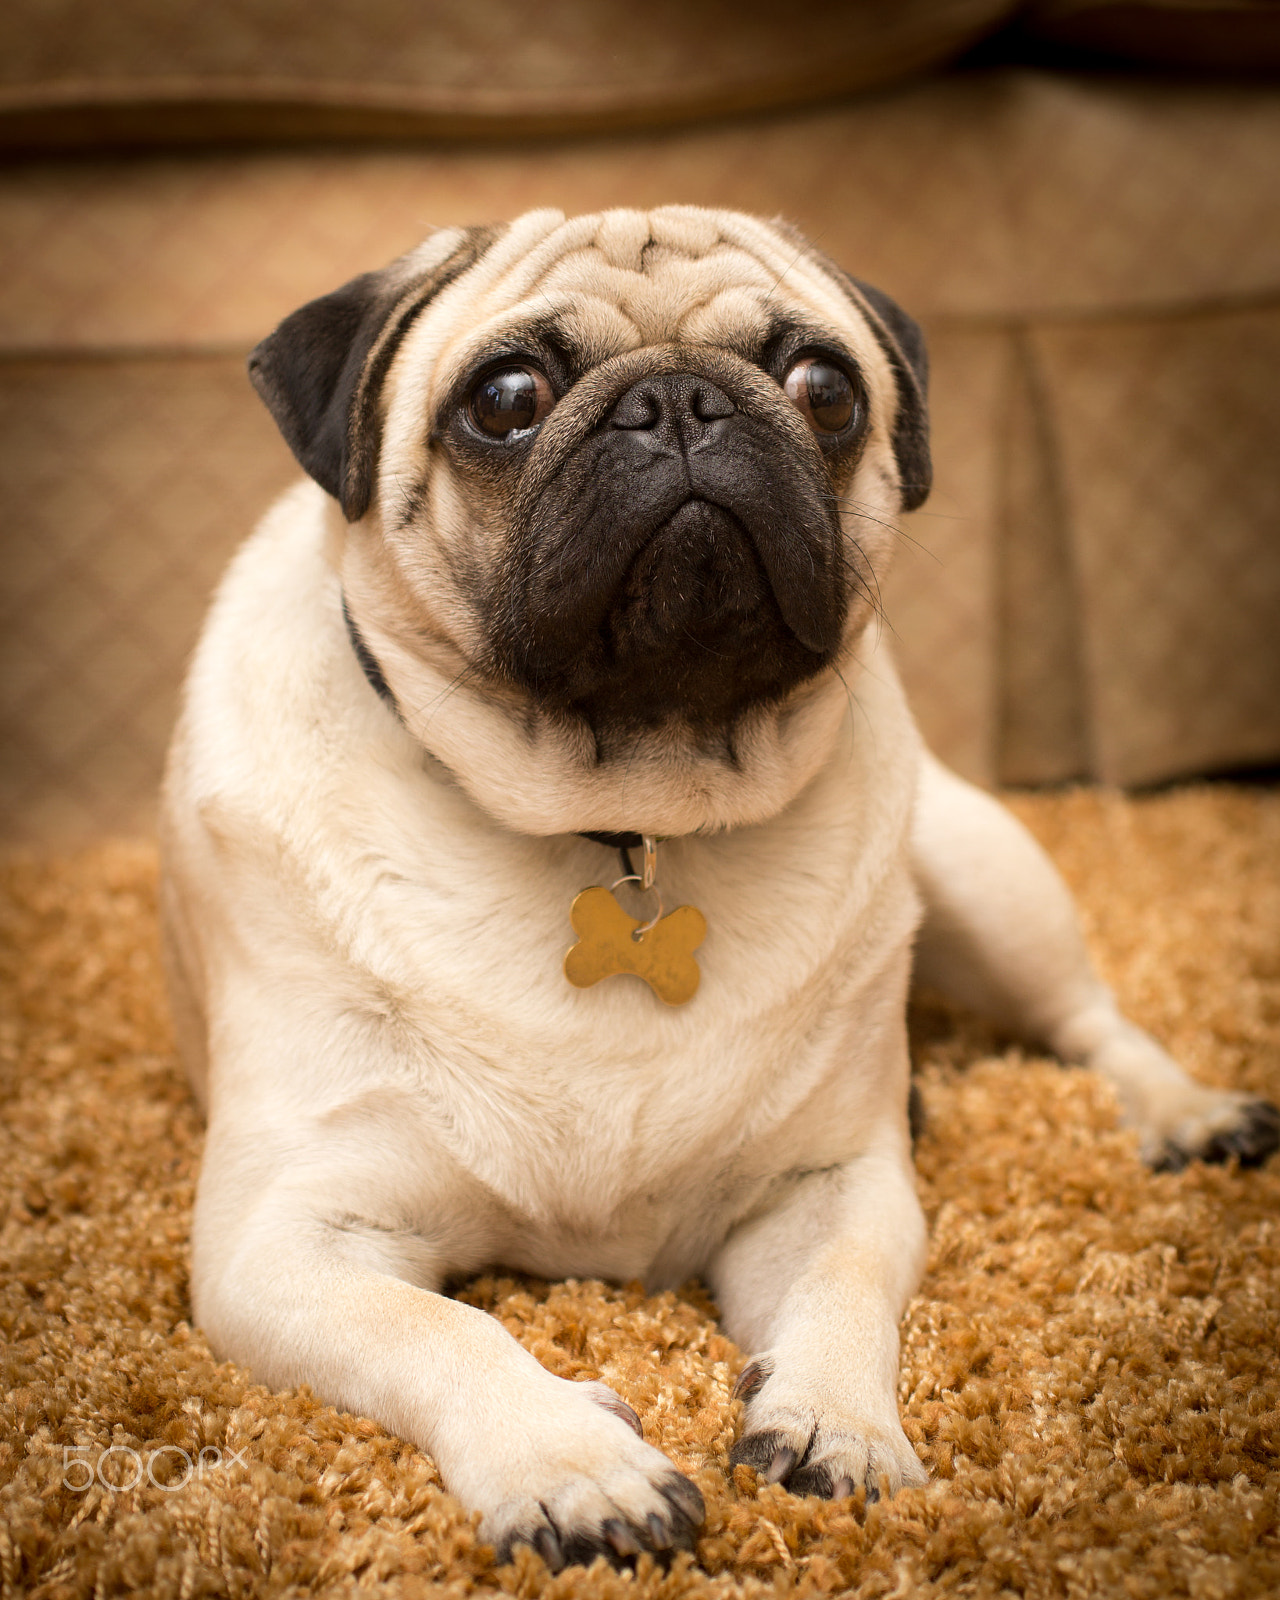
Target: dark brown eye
823,393
512,398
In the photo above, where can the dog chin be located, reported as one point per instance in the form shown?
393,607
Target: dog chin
695,654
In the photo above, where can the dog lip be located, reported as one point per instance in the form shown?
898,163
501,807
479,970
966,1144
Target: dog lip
808,628
805,602
578,559
796,556
798,577
696,515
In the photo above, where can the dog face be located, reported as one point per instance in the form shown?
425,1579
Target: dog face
622,484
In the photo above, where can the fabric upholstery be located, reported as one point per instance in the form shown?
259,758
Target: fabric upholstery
1090,591
1204,35
72,71
1168,432
1006,194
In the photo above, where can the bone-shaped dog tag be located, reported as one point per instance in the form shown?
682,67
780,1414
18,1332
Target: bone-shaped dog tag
662,955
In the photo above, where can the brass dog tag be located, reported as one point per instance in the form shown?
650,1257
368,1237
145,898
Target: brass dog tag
662,955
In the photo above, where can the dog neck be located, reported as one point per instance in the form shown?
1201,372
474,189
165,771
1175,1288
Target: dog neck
539,771
373,672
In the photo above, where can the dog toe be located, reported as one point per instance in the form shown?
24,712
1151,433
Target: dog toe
769,1453
673,1525
584,1545
1253,1140
832,1465
811,1442
565,1539
578,1483
1247,1131
816,1479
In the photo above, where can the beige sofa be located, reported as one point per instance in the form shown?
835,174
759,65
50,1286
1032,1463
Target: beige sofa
1092,591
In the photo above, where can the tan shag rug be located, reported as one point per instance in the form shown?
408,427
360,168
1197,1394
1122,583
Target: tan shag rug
1090,1371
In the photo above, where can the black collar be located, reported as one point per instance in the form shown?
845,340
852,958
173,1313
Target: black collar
368,661
621,842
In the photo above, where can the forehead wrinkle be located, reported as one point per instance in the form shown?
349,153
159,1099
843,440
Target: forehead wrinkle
697,283
730,318
791,269
523,271
596,328
658,297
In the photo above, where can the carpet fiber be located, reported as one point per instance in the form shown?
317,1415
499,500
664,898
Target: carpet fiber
1089,1371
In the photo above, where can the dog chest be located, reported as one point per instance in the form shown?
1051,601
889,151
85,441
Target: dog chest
604,1113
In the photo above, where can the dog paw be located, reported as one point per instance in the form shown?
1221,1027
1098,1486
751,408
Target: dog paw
1219,1128
816,1446
575,1481
1177,1119
576,1522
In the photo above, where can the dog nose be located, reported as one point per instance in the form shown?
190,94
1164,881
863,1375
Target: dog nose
673,411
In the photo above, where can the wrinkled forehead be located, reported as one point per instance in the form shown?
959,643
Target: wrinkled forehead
621,280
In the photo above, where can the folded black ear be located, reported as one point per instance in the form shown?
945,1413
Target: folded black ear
321,372
900,338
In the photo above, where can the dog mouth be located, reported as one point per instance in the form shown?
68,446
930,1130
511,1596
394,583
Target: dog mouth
685,568
699,577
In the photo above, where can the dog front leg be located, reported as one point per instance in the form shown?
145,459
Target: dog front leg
815,1289
301,1291
1001,937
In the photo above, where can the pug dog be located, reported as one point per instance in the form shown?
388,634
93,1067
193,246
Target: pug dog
588,562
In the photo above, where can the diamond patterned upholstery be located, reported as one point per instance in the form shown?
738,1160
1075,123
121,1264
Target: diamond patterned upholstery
1091,591
1170,434
130,483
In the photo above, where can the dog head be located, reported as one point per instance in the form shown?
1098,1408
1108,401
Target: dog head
619,491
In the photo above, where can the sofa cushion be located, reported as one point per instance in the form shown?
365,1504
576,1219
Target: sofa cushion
1230,36
987,195
76,71
1090,590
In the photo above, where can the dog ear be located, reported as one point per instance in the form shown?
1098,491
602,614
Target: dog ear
899,336
321,372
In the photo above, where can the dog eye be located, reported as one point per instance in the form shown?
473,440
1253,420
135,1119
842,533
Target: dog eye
511,399
823,393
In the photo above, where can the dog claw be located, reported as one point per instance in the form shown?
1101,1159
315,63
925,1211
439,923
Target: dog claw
784,1458
620,1538
842,1488
686,1497
659,1534
622,1410
752,1377
548,1547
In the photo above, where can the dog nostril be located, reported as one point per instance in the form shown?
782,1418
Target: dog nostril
708,404
656,401
638,408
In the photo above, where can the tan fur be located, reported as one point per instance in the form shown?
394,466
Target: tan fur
366,920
